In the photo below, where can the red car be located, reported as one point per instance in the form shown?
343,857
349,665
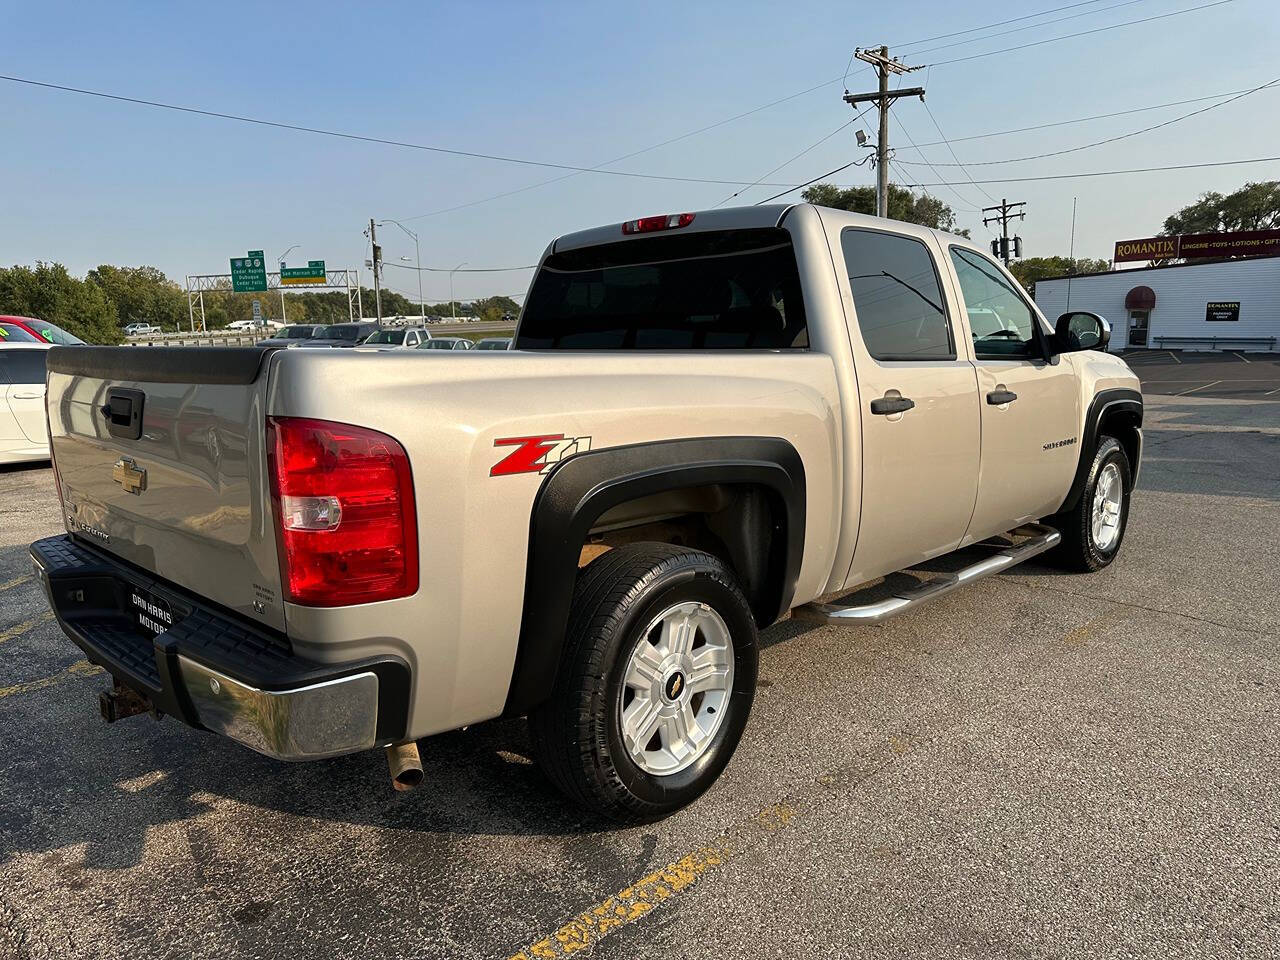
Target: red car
41,331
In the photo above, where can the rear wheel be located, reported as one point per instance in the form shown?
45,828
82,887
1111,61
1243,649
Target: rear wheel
1093,530
656,685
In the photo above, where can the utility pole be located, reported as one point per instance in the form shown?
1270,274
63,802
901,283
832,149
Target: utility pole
883,98
377,270
1003,213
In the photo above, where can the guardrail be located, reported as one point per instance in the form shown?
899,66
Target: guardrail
212,338
1213,341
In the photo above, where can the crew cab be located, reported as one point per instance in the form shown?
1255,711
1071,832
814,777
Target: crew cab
708,421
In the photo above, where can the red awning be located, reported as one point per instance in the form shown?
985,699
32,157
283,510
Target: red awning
1140,298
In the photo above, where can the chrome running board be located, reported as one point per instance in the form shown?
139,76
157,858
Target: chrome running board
1040,539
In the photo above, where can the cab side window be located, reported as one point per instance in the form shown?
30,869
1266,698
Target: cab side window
1002,324
897,296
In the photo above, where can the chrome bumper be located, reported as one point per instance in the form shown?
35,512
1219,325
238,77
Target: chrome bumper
306,723
215,671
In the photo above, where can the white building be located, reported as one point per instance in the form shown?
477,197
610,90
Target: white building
1227,305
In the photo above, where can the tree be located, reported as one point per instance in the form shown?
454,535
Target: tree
48,292
141,295
903,205
1255,206
1028,271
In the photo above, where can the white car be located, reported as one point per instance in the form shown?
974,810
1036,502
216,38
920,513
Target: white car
24,432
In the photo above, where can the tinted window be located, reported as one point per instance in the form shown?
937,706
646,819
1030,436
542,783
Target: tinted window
387,336
436,345
12,333
55,334
295,333
897,297
728,290
22,366
1000,321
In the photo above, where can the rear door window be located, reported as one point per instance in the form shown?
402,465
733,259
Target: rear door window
722,290
12,333
22,366
897,296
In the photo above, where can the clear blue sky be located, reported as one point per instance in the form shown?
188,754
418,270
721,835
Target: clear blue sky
88,181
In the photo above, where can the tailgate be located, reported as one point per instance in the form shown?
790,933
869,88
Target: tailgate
161,458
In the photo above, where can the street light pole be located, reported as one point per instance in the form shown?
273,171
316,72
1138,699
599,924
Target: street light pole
280,260
453,307
417,251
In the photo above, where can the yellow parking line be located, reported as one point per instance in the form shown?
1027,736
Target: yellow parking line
15,582
19,629
631,903
81,668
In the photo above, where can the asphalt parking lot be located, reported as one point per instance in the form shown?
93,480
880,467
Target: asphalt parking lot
1225,373
1038,765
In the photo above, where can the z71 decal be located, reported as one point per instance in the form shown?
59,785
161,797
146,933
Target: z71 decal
536,454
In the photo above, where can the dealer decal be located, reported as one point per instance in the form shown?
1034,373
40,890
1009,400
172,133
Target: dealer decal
536,454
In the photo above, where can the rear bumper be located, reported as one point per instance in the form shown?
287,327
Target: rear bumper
215,671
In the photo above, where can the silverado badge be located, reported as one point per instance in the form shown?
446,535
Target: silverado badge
129,475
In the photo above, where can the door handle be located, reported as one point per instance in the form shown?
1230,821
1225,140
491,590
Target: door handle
998,397
887,405
27,396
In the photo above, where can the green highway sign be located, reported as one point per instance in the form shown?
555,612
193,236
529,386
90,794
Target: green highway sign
249,273
313,272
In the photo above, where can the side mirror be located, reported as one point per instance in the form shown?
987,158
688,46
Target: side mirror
1081,330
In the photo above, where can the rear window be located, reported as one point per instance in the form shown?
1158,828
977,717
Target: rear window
726,290
22,366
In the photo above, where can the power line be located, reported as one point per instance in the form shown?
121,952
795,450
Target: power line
809,183
963,168
1063,123
812,146
405,266
634,153
969,207
1098,143
379,140
1029,26
1001,23
1105,173
1082,33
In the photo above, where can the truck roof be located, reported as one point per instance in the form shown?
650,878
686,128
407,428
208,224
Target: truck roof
745,218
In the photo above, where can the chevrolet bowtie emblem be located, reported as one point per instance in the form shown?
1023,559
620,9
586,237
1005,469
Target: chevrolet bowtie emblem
129,475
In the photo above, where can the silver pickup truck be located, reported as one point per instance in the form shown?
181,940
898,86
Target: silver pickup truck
708,421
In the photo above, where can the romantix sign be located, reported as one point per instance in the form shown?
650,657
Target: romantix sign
1195,246
1218,311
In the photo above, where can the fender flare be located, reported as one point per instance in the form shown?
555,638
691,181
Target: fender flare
583,487
1105,402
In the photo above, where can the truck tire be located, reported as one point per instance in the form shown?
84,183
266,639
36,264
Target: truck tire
1093,529
655,685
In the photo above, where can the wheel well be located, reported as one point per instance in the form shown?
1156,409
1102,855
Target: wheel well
1123,424
742,524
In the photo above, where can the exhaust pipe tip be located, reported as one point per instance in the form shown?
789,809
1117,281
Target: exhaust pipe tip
405,765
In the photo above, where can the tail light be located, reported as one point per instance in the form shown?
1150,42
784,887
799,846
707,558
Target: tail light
667,221
344,511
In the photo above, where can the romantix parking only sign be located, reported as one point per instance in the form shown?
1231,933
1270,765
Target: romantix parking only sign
1218,311
249,273
312,273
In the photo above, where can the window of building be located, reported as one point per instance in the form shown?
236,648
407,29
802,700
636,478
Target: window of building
897,296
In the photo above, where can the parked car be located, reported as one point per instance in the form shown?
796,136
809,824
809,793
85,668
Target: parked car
16,333
341,334
296,331
24,432
141,329
709,421
253,325
401,338
447,343
44,330
494,343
